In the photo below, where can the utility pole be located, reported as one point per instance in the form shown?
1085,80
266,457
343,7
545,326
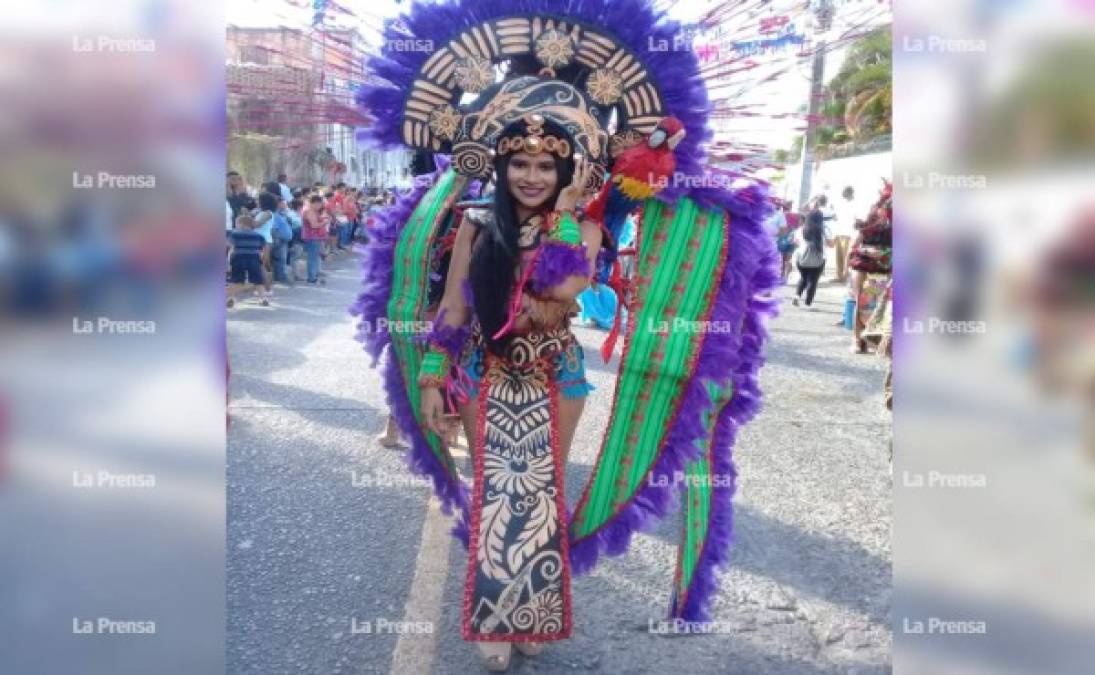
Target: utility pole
823,11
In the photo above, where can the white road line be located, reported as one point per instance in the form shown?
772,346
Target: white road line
414,652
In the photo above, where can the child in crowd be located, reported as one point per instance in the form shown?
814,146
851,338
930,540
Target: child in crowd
264,225
314,232
245,260
349,207
342,226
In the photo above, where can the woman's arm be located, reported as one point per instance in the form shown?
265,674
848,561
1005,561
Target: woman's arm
571,287
443,341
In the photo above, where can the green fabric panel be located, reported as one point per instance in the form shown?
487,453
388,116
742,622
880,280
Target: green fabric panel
600,491
654,414
647,415
593,512
696,496
696,491
682,345
409,282
651,417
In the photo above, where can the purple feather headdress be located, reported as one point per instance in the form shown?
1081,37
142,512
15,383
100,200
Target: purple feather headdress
633,23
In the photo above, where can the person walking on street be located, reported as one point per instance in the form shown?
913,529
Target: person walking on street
871,261
811,259
349,209
785,240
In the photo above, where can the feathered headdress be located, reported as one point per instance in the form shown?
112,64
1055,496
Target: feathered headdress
593,68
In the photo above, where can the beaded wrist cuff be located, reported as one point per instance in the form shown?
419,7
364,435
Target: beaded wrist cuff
435,365
562,226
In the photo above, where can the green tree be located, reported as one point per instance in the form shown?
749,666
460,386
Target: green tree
861,93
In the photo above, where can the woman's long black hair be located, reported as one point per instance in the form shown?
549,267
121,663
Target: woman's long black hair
494,257
814,231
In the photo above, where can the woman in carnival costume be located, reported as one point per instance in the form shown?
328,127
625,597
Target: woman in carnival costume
567,101
871,262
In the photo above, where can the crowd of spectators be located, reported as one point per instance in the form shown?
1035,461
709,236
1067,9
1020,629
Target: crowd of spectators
278,234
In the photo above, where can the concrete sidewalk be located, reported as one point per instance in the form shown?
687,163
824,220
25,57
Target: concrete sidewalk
328,535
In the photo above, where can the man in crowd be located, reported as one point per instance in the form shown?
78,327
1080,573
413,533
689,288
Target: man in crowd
282,238
283,187
843,227
238,198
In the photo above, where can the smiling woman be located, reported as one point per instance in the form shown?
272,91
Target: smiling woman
525,259
532,178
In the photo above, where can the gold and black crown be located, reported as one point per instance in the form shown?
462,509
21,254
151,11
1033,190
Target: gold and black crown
605,80
533,140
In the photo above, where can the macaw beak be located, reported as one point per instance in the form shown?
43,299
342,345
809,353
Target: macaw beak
675,139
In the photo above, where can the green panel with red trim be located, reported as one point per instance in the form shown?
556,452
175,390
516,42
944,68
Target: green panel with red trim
410,286
681,250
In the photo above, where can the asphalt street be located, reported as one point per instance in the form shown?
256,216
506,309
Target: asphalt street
338,562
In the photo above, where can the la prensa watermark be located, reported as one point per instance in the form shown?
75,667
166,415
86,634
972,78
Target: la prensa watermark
682,627
410,44
935,325
108,480
104,325
683,179
106,180
681,479
692,327
105,44
383,325
104,625
937,44
681,41
383,626
938,479
934,625
388,480
937,180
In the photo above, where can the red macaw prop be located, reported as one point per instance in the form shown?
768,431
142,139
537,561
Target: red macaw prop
640,172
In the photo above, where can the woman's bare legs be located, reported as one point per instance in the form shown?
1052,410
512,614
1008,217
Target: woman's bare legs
390,437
